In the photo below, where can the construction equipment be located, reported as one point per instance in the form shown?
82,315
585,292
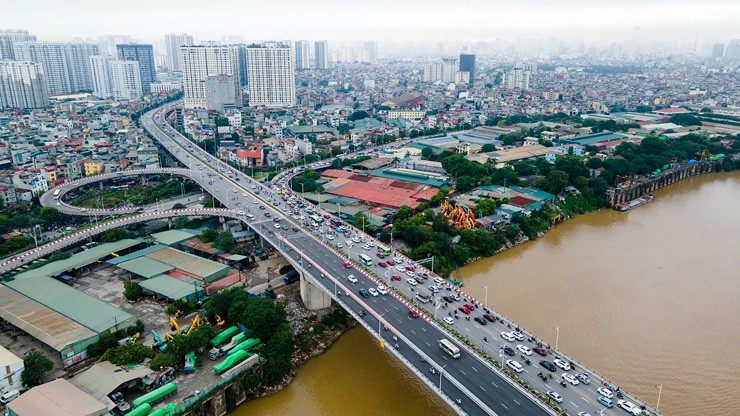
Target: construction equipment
459,216
219,321
174,326
193,324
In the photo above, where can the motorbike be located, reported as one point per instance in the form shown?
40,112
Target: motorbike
562,383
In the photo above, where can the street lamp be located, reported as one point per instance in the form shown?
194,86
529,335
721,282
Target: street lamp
303,193
440,376
660,391
485,302
380,334
557,336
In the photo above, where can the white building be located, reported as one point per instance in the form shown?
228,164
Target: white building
271,75
220,92
444,71
173,42
517,78
160,87
11,368
66,66
10,37
22,85
302,55
115,78
201,61
321,54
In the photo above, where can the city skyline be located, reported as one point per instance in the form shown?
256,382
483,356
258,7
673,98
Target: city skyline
658,20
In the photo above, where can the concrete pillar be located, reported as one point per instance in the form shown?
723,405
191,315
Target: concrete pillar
169,223
313,296
224,223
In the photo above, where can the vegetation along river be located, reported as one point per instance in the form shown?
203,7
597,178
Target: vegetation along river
646,297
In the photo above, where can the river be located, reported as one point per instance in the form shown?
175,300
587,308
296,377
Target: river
648,297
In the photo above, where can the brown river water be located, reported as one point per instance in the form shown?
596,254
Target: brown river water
648,297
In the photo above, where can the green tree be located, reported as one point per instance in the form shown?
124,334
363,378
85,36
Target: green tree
128,354
163,360
35,366
358,115
222,121
115,234
178,206
132,290
488,147
48,216
485,207
685,120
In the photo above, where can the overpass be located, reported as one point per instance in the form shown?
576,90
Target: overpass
472,383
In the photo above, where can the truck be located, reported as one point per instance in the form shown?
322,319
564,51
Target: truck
155,395
244,346
216,352
189,362
231,361
291,277
142,410
224,335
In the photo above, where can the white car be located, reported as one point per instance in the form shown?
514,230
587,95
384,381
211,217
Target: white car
524,349
398,260
514,365
329,237
629,407
410,273
352,278
605,392
507,336
382,290
254,201
373,291
339,245
438,280
449,321
366,247
244,194
518,335
400,268
555,396
235,191
562,364
570,378
240,212
412,282
277,226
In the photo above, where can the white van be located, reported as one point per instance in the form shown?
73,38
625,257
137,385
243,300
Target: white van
7,397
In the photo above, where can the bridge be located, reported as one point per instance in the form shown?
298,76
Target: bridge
473,384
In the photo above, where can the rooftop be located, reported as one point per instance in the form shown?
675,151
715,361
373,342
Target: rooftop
170,287
57,398
146,267
172,237
189,263
103,378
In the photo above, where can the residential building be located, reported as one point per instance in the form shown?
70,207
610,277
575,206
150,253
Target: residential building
93,167
563,150
144,55
271,74
718,50
444,71
116,78
302,56
410,115
517,78
467,64
22,85
10,37
372,50
11,367
198,62
66,66
321,54
732,52
173,42
163,87
220,92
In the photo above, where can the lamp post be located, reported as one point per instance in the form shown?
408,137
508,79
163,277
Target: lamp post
303,193
485,302
660,391
557,336
440,376
380,334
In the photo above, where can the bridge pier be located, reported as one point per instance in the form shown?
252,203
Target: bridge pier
169,223
313,296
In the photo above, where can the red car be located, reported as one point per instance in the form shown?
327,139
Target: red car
469,306
410,268
413,313
396,277
464,310
327,216
347,265
541,351
391,263
381,264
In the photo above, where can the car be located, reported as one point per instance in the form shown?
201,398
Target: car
413,313
382,290
410,274
584,414
391,263
605,392
396,277
268,215
514,365
366,247
448,299
244,194
433,289
412,282
507,336
480,320
570,378
364,293
449,321
235,191
411,268
241,213
398,260
329,237
629,407
583,377
438,280
382,264
339,245
277,226
541,351
373,291
562,364
548,365
524,349
347,265
352,278
518,335
509,351
464,310
605,401
555,396
400,268
254,201
490,317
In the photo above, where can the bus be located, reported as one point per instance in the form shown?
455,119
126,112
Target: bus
56,193
365,259
316,218
450,348
384,250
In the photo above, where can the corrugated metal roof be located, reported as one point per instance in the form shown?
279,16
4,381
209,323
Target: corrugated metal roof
170,287
42,323
188,262
103,378
57,398
136,254
146,267
172,237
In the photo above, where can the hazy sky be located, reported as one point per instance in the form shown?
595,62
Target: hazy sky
149,20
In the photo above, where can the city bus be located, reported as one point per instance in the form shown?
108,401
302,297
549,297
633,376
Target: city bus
450,348
384,250
365,259
56,193
317,219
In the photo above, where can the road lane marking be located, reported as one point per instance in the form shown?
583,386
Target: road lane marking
463,372
474,369
481,387
584,399
517,402
574,405
504,406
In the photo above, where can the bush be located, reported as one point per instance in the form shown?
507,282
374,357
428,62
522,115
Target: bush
163,360
35,366
128,354
136,329
132,291
106,341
